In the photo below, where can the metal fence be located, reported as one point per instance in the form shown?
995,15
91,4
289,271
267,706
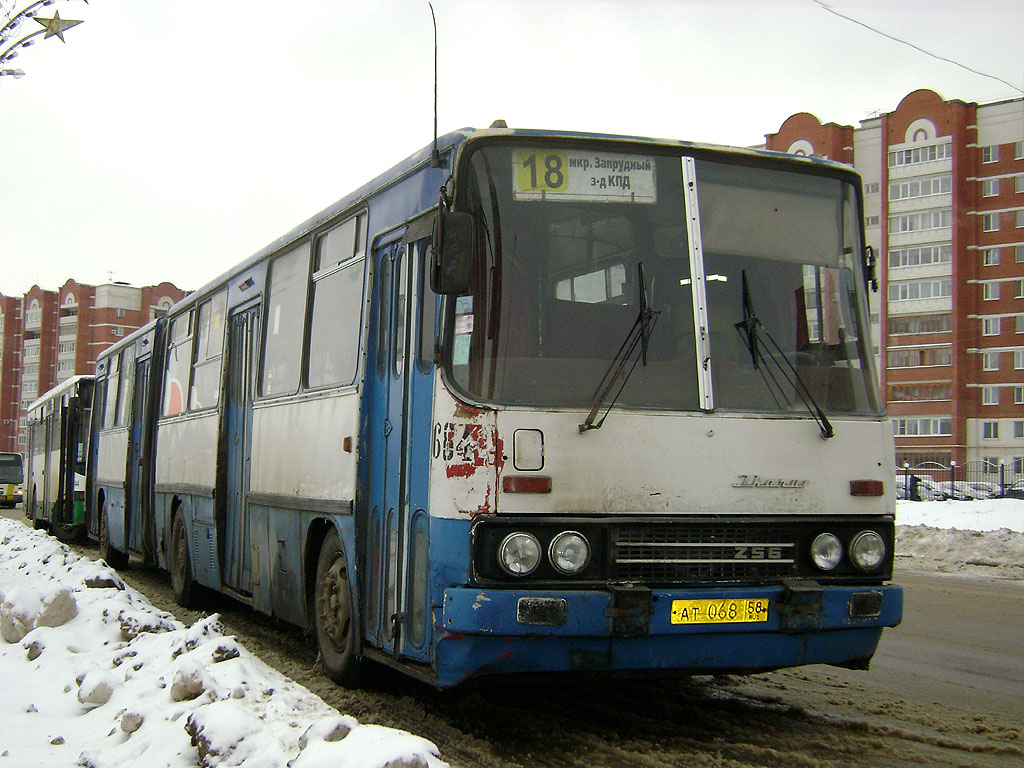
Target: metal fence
932,481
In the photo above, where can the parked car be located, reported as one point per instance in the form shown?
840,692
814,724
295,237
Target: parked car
1015,491
957,491
918,489
983,490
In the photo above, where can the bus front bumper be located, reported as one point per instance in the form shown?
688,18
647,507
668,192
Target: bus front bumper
498,631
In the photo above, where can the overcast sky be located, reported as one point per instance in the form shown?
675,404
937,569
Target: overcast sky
170,139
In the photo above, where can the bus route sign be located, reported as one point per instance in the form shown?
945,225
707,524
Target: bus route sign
579,176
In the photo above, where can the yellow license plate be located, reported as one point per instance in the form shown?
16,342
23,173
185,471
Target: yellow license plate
743,611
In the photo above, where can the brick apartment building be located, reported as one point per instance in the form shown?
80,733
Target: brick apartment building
944,208
47,337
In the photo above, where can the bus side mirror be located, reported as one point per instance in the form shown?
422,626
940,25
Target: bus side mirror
871,267
452,252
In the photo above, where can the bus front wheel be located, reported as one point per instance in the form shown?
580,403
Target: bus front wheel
337,634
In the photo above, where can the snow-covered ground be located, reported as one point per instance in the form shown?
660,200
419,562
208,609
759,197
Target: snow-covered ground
92,675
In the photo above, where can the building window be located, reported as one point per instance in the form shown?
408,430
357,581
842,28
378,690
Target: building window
989,291
990,395
906,190
990,187
1018,254
900,393
872,221
923,426
1018,324
908,324
990,326
918,358
1018,359
990,257
872,188
1018,289
990,430
907,290
916,257
990,154
1018,183
119,313
920,154
990,361
915,222
990,222
990,464
1018,218
1018,429
1018,150
1018,395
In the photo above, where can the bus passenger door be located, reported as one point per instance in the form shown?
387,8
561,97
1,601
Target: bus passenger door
396,609
137,514
243,343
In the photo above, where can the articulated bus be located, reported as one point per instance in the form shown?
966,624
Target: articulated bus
12,478
606,405
58,435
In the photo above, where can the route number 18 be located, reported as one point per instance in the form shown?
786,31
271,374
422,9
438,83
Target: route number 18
542,172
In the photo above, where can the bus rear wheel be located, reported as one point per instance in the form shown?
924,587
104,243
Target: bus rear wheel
337,634
182,583
115,558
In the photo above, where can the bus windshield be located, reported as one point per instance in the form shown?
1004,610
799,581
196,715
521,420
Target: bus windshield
564,234
11,468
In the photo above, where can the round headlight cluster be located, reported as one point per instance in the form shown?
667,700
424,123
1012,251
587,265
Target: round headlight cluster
866,551
520,553
826,551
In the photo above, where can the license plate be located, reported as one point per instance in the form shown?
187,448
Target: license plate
742,611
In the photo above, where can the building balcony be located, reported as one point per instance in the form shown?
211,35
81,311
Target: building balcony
930,168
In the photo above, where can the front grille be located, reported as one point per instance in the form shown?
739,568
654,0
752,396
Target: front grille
703,552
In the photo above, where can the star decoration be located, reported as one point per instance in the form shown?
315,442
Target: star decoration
57,25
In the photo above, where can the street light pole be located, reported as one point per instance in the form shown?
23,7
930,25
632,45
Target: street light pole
15,42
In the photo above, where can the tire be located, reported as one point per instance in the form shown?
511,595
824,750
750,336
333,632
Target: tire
182,582
335,616
115,558
71,534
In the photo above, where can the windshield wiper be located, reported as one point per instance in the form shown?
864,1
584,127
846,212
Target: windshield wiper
748,328
639,335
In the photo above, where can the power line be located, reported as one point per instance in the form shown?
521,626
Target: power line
916,47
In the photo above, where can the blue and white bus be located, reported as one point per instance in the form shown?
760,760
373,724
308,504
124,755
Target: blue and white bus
608,405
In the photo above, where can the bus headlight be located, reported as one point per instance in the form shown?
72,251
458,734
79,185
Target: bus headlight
519,554
569,552
826,551
867,550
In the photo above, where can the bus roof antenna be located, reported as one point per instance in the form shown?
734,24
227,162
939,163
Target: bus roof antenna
435,156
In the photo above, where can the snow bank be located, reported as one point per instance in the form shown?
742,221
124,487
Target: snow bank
983,537
94,676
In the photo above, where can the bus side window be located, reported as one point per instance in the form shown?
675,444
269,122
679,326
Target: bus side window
286,311
112,386
124,394
337,303
209,346
427,304
178,356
